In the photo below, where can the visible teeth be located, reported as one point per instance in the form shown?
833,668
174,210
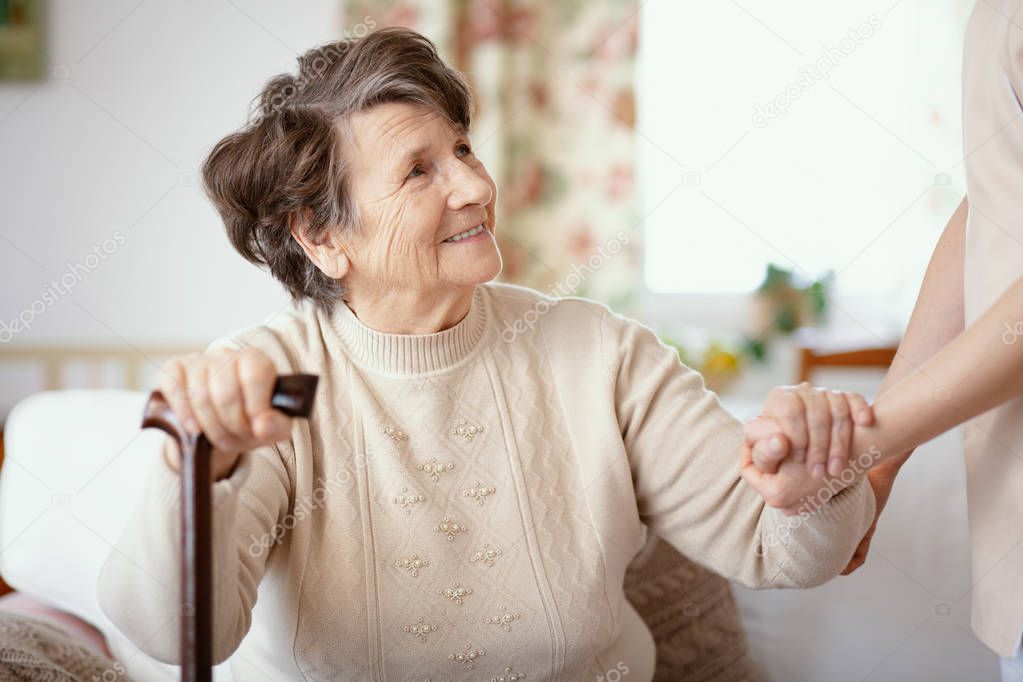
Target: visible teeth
465,235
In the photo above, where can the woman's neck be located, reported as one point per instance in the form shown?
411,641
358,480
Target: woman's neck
409,311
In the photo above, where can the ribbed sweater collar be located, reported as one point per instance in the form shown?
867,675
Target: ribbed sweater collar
409,354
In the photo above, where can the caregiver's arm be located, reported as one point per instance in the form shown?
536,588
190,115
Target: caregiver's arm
684,449
937,319
980,369
938,314
139,585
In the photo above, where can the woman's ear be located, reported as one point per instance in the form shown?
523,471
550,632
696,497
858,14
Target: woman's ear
328,253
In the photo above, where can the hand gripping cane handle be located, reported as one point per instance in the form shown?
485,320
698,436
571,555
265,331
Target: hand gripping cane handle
293,395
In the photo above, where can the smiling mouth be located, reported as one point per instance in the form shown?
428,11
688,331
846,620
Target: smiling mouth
465,235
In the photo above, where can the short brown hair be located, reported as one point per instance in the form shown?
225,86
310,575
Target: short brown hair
288,157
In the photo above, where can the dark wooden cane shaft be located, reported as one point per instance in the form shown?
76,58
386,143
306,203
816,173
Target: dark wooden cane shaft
197,562
293,395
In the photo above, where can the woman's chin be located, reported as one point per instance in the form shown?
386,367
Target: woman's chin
474,267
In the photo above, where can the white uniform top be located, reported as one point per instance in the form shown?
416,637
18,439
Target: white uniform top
993,140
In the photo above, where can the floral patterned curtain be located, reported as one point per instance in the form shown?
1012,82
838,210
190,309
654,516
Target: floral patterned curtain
555,114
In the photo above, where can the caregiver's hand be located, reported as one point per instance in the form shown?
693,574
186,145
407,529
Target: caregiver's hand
225,394
881,478
813,425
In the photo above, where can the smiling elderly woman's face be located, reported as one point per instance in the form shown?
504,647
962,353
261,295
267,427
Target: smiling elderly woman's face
425,201
357,181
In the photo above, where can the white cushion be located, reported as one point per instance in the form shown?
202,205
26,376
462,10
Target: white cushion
68,484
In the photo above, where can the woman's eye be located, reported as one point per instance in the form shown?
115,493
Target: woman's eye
464,150
416,172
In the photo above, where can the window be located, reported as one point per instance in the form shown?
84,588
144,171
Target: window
820,136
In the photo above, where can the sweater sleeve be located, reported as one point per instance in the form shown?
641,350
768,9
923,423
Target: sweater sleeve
139,586
684,448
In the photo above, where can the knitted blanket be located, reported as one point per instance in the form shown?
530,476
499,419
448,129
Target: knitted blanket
692,615
34,651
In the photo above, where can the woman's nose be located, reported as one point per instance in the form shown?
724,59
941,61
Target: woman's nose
468,187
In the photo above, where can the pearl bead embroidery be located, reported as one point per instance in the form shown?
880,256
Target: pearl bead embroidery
450,528
413,563
486,553
504,619
468,657
479,492
435,469
408,500
456,593
397,435
466,430
420,629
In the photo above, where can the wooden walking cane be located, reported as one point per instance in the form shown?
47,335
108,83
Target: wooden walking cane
293,395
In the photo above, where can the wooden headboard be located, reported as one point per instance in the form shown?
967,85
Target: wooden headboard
54,360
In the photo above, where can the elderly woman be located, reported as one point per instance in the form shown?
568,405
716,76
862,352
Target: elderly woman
462,503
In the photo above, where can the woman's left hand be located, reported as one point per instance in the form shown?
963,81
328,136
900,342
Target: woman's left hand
790,487
813,425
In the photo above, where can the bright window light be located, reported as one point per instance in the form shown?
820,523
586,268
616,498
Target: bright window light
817,135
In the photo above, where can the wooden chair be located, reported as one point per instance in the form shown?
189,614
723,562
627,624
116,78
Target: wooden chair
816,352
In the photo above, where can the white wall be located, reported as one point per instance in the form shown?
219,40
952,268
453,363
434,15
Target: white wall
108,148
115,145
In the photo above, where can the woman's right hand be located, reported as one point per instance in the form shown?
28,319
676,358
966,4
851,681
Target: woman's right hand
224,394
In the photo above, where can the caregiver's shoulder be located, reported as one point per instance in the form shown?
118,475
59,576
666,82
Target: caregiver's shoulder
521,310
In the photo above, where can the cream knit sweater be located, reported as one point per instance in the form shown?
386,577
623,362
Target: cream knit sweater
463,505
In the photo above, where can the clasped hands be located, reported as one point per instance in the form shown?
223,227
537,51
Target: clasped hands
802,442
